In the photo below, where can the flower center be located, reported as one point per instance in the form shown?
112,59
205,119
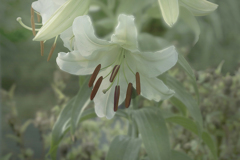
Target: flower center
119,63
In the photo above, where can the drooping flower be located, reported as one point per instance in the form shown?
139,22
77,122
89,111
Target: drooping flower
117,65
170,8
58,15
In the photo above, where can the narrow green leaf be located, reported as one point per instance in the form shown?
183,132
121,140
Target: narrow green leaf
88,114
81,102
179,156
191,21
182,95
177,103
154,133
124,148
6,157
187,68
60,127
25,125
192,126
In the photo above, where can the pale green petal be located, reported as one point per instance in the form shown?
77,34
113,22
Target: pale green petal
169,10
126,33
46,8
152,64
154,89
68,38
62,19
199,7
75,63
86,41
191,21
104,103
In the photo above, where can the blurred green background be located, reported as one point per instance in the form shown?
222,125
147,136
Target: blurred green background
22,65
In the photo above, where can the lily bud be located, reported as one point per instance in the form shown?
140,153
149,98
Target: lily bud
62,19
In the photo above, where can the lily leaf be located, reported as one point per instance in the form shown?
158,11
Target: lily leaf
182,95
191,21
124,147
154,133
187,68
179,156
192,126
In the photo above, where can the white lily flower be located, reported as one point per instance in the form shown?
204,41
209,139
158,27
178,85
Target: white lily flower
58,15
118,65
170,8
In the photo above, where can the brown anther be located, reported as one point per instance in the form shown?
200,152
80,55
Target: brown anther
128,95
96,87
42,47
114,72
38,18
51,51
116,97
32,22
138,85
94,75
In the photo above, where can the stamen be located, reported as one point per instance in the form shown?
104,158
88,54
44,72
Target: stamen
42,47
128,95
39,18
52,49
32,22
96,87
114,72
94,75
116,97
138,85
19,19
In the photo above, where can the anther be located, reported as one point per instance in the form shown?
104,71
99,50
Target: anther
38,18
42,47
32,22
114,72
51,51
96,87
128,95
138,85
116,97
94,75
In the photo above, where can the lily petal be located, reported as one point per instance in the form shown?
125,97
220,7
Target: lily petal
46,8
86,41
199,7
154,89
104,103
126,33
68,38
154,64
169,10
74,63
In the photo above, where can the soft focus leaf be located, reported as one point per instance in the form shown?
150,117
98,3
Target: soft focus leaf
177,103
179,156
169,10
14,138
6,157
124,148
187,68
182,95
154,133
111,4
191,21
192,126
199,7
25,125
132,6
88,114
